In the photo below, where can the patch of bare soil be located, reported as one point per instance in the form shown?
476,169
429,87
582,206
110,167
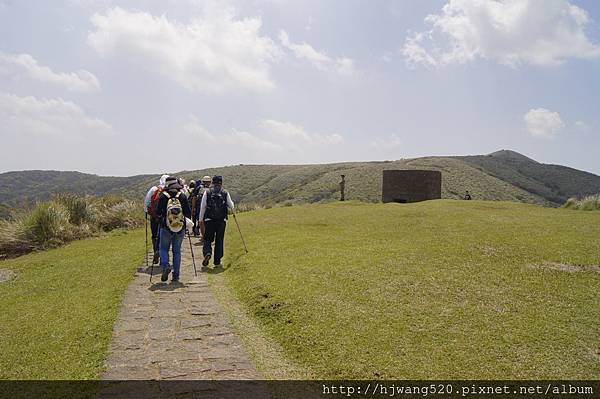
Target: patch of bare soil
566,267
6,275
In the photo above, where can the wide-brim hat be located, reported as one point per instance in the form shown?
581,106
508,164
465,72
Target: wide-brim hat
172,183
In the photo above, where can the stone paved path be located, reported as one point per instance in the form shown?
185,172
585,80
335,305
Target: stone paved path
175,331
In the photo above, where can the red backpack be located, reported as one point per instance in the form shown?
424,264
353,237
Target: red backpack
154,201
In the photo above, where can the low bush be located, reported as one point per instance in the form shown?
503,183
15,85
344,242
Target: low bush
588,203
65,218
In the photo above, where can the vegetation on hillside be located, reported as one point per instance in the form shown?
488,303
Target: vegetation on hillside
4,212
588,203
439,289
65,218
554,183
503,176
58,313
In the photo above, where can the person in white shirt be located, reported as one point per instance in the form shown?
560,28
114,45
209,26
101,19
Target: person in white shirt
148,208
214,207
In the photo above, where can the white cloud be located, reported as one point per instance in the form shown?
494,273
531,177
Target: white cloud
582,126
53,118
392,141
511,32
214,52
342,65
80,81
542,123
297,135
235,139
273,140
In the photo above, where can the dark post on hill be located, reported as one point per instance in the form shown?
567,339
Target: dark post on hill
406,186
342,188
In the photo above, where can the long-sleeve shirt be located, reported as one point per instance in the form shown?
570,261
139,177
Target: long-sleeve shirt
230,204
148,198
161,207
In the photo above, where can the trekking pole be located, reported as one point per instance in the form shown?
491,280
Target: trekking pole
238,227
193,260
146,246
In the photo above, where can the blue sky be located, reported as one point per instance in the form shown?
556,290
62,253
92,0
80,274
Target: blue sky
123,87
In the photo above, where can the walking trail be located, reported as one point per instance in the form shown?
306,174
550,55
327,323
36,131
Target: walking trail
175,331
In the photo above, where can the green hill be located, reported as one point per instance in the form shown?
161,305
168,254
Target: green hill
503,175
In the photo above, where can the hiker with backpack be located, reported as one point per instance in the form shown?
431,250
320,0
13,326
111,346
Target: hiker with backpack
150,202
213,219
172,210
201,186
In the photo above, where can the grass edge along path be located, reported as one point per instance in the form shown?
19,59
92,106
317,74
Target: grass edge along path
267,354
58,313
440,289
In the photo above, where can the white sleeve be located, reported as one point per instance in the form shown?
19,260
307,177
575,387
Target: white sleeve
230,202
203,206
148,198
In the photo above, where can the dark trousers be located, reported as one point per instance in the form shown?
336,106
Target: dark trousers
154,224
214,230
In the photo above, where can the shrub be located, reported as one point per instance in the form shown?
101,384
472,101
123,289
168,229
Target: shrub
122,214
13,239
46,223
65,218
588,203
77,207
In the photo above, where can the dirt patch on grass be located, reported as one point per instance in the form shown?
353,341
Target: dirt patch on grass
567,267
6,275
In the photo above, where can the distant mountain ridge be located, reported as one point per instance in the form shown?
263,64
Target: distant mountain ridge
502,175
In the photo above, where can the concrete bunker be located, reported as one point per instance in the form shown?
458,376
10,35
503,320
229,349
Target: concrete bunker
406,186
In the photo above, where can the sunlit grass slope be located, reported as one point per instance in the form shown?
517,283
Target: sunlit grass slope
58,314
440,289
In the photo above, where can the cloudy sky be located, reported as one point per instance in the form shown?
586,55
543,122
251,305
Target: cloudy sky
127,87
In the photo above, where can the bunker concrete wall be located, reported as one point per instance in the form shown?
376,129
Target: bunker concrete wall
411,185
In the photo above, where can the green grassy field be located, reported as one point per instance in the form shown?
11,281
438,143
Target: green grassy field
440,289
58,313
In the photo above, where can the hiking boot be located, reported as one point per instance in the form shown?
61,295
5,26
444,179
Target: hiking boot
206,260
156,258
218,264
165,274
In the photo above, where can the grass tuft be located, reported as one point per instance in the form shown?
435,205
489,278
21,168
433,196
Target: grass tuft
588,203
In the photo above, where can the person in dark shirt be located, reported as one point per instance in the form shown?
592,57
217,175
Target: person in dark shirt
468,196
172,210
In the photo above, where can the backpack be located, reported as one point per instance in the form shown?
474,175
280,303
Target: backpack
216,204
174,219
154,201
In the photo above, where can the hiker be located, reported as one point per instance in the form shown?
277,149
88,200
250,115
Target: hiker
468,196
201,187
173,207
150,209
213,219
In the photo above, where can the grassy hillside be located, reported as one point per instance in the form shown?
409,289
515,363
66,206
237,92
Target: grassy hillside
440,289
4,212
505,176
58,313
26,187
555,183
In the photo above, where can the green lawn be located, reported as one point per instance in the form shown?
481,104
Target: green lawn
440,289
58,314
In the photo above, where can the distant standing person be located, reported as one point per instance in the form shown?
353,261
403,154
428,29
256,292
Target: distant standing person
173,207
213,217
150,209
468,196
